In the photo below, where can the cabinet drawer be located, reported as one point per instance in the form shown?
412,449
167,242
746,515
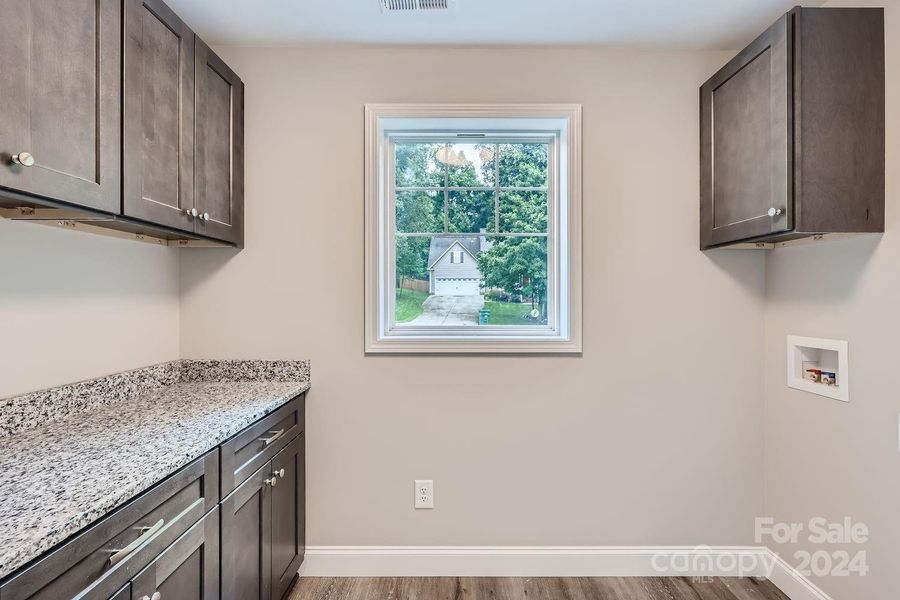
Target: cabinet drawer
96,563
123,594
246,452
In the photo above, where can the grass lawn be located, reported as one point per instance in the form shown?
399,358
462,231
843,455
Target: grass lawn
409,305
509,313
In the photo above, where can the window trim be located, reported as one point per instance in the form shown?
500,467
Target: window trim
566,336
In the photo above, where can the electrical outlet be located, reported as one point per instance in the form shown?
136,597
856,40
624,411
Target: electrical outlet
424,493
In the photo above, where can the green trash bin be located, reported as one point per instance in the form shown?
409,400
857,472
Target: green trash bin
484,315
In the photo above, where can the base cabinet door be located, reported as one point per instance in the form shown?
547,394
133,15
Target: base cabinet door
288,521
61,100
247,539
186,570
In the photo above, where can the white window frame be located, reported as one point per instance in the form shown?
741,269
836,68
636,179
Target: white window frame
563,332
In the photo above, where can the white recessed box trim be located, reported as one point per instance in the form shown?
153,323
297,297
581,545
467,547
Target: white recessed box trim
831,353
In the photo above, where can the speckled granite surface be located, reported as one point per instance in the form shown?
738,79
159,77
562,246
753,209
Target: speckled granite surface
104,444
40,408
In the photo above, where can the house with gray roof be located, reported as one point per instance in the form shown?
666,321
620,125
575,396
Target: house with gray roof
453,265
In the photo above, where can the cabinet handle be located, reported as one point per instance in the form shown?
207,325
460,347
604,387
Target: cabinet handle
23,158
275,436
774,212
118,555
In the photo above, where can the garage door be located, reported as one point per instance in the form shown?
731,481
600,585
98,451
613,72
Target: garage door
456,287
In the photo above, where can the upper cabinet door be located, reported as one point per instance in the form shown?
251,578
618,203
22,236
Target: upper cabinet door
61,100
746,146
158,148
219,167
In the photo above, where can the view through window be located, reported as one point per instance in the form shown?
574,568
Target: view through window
471,231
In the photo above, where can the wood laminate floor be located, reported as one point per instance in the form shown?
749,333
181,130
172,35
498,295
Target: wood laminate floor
533,588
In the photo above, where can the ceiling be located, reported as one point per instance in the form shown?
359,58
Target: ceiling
708,24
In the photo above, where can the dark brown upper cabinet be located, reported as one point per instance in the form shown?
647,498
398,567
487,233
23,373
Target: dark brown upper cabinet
117,119
219,156
60,74
792,132
158,149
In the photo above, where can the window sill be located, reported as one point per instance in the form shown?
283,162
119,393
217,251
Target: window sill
479,345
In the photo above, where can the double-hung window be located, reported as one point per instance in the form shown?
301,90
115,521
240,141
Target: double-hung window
473,228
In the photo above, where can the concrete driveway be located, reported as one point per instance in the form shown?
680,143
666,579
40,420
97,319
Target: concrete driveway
450,310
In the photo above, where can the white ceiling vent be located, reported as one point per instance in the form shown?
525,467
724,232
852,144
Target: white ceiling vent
415,5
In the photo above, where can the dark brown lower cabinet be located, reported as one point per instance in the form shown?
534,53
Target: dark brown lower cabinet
246,539
263,529
186,570
288,518
176,541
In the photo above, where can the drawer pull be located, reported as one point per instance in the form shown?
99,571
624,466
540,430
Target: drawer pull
23,158
275,436
118,555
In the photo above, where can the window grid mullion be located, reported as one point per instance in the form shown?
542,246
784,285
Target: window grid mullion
496,188
461,188
446,188
463,234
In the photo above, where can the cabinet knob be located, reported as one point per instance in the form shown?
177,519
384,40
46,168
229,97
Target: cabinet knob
23,158
774,212
156,596
271,481
192,212
206,216
279,473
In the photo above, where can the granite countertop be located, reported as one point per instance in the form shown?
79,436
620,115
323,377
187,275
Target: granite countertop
105,441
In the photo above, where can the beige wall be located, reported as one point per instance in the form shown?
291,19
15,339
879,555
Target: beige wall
75,306
824,457
652,437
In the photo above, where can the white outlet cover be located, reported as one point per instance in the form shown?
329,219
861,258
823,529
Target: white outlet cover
424,493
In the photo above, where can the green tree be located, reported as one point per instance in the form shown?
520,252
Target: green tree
417,211
518,265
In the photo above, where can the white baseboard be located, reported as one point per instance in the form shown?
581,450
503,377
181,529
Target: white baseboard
793,584
558,561
533,561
